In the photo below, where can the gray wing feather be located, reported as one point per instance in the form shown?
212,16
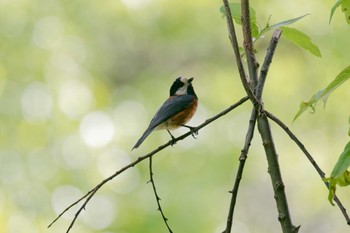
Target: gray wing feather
169,108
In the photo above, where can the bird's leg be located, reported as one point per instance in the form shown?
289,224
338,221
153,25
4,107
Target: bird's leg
173,142
193,130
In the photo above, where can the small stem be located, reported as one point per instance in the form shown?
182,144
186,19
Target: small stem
165,219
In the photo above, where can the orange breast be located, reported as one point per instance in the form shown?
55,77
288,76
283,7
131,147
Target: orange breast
182,117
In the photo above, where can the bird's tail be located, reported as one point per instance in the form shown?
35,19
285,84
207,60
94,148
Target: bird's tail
143,137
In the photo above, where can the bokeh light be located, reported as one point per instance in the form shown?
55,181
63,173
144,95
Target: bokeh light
48,32
103,212
37,102
97,129
112,160
61,196
75,99
75,152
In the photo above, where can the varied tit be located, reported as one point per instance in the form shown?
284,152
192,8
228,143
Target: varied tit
176,111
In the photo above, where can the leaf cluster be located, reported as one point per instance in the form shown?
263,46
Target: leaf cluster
295,36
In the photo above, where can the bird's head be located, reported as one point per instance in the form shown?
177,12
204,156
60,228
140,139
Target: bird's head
182,86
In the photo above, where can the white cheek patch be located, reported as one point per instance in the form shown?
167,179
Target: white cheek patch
182,90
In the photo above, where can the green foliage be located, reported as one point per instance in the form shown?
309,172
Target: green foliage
301,39
324,93
340,175
236,12
297,37
287,22
345,7
278,25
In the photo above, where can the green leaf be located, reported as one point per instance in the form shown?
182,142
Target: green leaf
343,162
345,7
236,13
336,5
324,93
340,175
343,180
277,25
288,22
301,39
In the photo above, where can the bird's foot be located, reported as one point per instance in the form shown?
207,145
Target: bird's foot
193,130
173,141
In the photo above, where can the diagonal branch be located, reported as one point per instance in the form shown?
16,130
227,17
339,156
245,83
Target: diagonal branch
310,158
151,180
92,192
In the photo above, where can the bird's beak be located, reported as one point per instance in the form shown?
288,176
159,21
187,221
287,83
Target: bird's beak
190,80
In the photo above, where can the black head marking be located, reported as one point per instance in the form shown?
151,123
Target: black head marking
179,83
176,85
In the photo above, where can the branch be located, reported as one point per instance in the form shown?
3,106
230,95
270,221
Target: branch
235,46
242,159
267,62
248,44
310,158
165,219
275,174
92,192
269,147
250,133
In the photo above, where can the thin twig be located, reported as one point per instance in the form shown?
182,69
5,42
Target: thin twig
235,46
151,180
242,160
310,158
248,44
92,192
267,62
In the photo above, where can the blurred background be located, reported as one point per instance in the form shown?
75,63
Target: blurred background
80,81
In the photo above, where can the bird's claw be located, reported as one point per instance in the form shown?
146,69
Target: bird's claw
193,130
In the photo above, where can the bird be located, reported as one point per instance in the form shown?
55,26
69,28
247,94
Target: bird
176,111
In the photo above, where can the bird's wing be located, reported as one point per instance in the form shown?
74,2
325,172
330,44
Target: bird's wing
171,107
